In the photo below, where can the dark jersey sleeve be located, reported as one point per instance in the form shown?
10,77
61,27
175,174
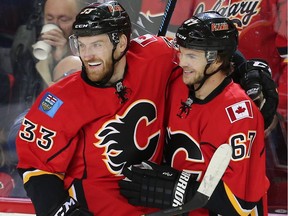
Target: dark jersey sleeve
51,189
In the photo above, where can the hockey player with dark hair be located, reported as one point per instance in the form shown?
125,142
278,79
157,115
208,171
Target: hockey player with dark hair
206,109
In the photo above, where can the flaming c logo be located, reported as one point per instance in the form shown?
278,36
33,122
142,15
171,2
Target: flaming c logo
130,138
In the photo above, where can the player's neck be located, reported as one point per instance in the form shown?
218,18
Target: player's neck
209,85
119,70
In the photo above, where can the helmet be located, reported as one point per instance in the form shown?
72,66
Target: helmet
106,18
208,31
97,18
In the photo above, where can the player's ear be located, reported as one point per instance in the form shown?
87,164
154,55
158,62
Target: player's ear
217,62
123,42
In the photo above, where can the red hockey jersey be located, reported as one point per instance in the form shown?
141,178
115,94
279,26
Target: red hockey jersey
227,115
87,135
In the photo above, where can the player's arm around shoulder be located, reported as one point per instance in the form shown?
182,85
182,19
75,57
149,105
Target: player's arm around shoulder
152,46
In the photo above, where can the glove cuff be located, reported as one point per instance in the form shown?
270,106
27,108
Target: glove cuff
181,189
66,207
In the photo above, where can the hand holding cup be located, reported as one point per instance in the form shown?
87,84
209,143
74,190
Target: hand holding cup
41,49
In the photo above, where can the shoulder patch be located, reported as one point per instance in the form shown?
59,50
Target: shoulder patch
50,104
146,39
239,111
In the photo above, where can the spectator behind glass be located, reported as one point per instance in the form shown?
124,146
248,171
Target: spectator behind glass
65,67
61,13
32,75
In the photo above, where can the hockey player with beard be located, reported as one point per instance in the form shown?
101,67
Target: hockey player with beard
83,130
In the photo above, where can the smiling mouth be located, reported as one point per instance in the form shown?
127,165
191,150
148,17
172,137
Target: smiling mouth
188,72
94,64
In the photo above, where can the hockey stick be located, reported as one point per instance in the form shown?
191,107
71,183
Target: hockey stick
215,170
166,17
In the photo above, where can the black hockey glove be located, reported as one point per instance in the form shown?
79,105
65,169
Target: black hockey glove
257,81
157,186
70,207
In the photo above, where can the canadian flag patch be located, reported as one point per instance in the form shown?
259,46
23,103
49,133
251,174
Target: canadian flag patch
239,111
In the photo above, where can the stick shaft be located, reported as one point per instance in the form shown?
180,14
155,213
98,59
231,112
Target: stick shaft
166,17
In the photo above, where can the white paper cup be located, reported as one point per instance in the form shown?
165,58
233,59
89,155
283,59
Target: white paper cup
41,49
49,27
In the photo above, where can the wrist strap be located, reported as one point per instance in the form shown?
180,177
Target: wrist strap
66,207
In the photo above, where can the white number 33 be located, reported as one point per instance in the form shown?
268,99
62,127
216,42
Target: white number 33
45,139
